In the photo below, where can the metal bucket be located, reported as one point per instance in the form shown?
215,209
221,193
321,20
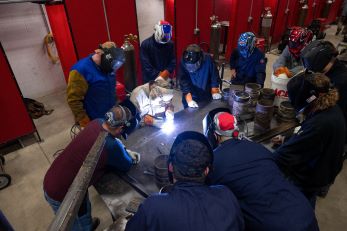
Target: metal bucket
226,94
286,111
267,94
253,89
241,102
263,114
161,170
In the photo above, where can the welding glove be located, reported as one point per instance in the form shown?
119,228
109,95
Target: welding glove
215,93
84,121
152,121
169,115
281,71
190,101
135,156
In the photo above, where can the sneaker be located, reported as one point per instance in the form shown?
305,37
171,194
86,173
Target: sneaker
96,223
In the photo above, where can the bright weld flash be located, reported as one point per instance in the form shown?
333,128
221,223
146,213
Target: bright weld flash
168,127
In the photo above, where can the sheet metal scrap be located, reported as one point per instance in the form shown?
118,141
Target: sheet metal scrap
274,132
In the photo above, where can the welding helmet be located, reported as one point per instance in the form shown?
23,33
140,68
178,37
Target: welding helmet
190,154
299,37
302,92
316,56
112,57
192,58
246,44
209,127
162,32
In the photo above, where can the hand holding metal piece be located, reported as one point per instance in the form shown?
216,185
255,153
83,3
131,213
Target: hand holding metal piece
278,140
135,156
216,96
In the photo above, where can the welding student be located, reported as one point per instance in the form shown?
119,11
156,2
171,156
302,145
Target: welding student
320,56
289,61
247,62
199,77
191,204
267,200
157,53
92,81
313,157
114,156
153,102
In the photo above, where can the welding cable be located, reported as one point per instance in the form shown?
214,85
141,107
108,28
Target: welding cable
48,43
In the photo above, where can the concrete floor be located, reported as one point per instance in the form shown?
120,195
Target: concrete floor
25,207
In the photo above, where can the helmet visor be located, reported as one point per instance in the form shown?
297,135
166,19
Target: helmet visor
193,67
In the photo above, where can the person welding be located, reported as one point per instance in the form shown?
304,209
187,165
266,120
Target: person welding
153,101
92,81
247,62
157,54
190,204
199,77
114,156
289,62
267,200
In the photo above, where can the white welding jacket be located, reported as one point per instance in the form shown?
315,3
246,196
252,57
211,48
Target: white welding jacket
151,102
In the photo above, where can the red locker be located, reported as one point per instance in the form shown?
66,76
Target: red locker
15,120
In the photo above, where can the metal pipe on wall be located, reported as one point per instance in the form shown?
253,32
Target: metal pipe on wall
106,21
73,199
32,1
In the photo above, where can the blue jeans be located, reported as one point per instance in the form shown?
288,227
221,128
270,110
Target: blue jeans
83,222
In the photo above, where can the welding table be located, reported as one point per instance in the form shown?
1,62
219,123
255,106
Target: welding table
151,142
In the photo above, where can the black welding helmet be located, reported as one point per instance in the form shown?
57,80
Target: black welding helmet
316,55
192,58
190,154
209,128
302,92
134,121
112,57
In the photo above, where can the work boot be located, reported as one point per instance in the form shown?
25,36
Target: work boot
95,223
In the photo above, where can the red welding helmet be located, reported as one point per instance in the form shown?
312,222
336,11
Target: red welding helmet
299,37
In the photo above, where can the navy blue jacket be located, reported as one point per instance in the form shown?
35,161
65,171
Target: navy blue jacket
314,156
199,83
248,70
189,207
268,201
156,57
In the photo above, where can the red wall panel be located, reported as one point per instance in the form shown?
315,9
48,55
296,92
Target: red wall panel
88,24
334,11
281,20
62,37
222,9
205,11
15,120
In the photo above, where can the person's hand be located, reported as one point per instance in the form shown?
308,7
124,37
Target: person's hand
216,96
135,156
169,115
278,140
83,122
152,121
193,104
233,73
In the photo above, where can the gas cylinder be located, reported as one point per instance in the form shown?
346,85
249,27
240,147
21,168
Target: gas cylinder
326,9
302,13
216,28
266,23
130,63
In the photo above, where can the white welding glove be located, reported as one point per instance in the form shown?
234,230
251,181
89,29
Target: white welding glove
193,104
135,156
169,115
216,96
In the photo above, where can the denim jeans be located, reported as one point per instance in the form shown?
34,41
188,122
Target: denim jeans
83,222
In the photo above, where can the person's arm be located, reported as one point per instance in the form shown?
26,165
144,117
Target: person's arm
301,148
186,85
214,80
118,157
281,61
77,88
138,221
233,62
147,68
172,64
260,70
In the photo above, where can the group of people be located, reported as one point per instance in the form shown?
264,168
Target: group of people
240,185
